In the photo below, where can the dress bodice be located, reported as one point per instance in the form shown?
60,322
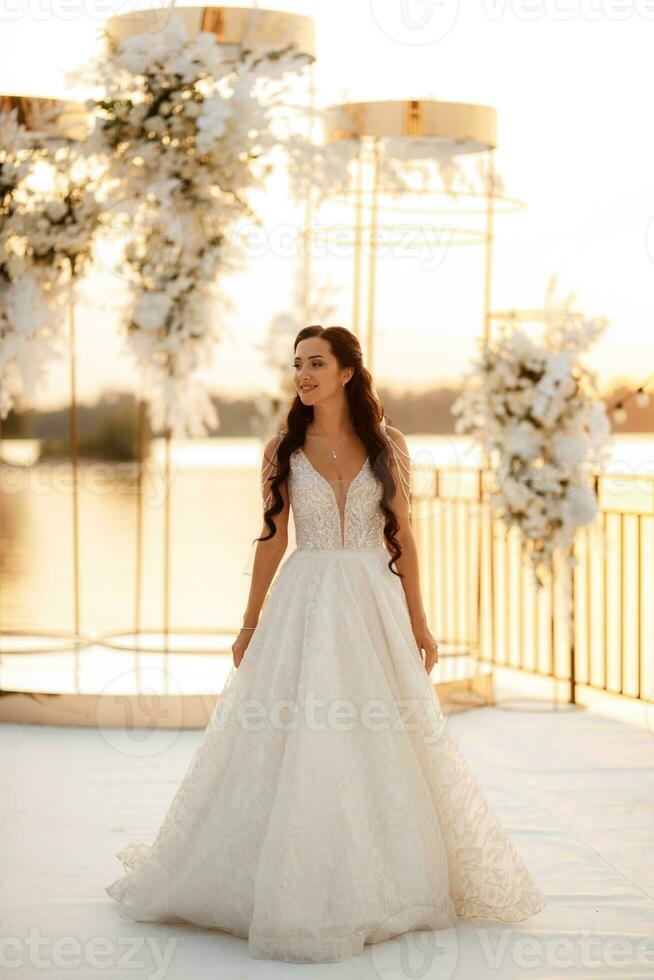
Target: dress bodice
320,522
351,520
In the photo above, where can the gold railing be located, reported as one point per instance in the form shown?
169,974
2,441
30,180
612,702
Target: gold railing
480,597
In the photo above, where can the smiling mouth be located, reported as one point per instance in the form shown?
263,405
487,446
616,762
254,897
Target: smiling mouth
310,388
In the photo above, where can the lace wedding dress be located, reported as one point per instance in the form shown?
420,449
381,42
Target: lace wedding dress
327,805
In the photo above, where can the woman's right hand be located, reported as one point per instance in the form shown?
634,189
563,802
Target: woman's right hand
240,645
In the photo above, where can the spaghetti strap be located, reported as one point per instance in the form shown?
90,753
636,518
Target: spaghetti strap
402,463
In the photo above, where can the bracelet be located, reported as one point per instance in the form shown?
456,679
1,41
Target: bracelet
248,627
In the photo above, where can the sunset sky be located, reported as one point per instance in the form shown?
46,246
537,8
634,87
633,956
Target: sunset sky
572,87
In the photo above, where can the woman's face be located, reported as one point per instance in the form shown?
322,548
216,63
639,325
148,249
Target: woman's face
317,374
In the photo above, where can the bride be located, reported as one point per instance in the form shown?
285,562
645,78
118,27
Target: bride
327,805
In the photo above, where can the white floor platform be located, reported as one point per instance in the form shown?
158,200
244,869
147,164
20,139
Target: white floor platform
575,790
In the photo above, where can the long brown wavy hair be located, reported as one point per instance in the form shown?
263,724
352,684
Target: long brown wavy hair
366,411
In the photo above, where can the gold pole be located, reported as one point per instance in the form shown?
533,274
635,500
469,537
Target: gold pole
572,639
166,582
372,276
74,452
480,549
307,236
138,571
358,236
488,277
2,505
306,256
488,272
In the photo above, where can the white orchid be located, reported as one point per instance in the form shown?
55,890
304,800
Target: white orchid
533,407
522,440
49,212
579,507
517,402
151,311
569,449
189,127
212,122
30,337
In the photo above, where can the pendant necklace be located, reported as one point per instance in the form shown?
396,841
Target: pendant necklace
333,451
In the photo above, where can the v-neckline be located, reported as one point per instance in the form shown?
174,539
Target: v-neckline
347,492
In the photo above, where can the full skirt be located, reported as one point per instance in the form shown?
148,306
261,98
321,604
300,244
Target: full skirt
327,805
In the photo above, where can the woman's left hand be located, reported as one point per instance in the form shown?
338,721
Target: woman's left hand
426,642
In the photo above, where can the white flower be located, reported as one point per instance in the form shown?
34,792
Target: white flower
190,167
16,265
515,493
559,365
518,402
539,406
211,122
569,449
546,478
55,210
192,109
504,371
183,66
154,124
141,52
521,345
522,440
579,507
541,432
597,421
151,311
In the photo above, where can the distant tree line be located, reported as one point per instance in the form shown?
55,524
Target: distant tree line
108,428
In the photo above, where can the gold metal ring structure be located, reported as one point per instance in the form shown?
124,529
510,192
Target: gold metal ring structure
409,129
240,27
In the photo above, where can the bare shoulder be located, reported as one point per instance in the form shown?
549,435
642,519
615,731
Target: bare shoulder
398,439
270,448
400,462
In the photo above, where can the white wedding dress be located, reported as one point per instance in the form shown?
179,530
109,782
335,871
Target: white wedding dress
327,805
